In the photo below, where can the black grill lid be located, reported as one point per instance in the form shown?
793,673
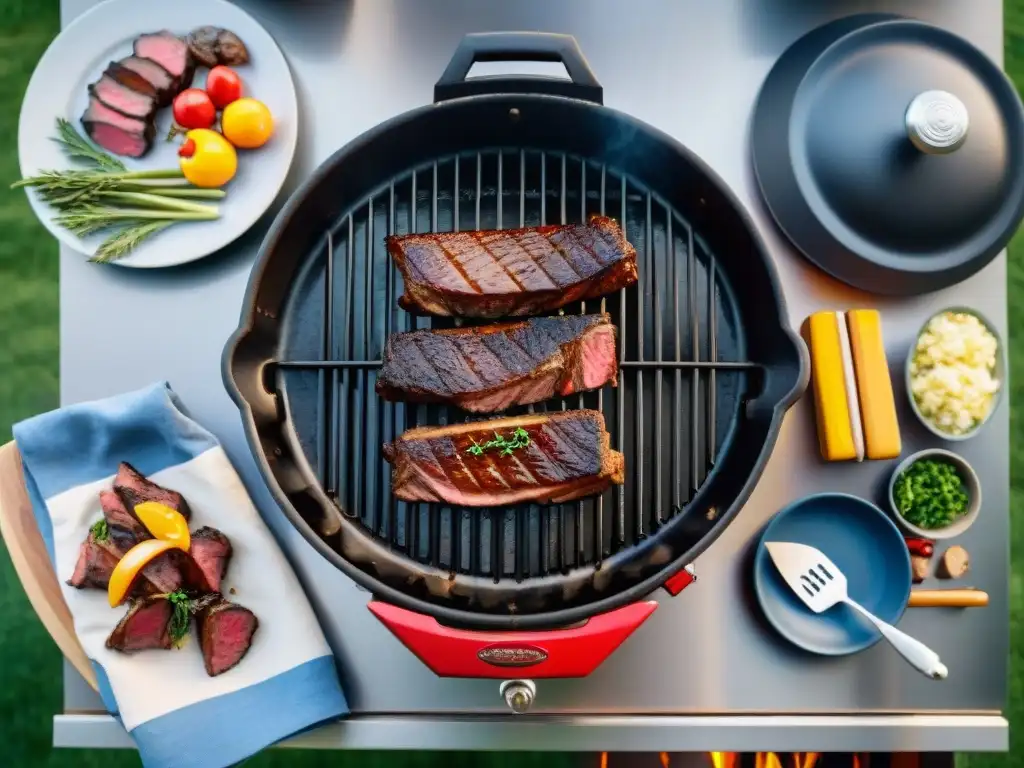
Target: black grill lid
890,152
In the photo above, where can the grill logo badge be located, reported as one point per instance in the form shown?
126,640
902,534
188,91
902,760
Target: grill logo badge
511,655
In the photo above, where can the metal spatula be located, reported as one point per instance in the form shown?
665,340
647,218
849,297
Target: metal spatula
820,584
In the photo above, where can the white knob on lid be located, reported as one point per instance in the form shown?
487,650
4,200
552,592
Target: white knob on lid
937,122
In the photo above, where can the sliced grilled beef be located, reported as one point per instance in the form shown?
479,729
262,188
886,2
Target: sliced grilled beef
565,456
123,527
512,272
123,99
170,52
225,634
94,566
115,132
147,625
492,368
211,552
133,488
211,46
144,76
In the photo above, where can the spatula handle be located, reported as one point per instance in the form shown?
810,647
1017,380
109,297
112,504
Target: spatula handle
917,653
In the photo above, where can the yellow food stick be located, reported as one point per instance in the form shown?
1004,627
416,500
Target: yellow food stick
823,333
874,385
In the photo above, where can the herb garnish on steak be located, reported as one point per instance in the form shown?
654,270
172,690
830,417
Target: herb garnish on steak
564,456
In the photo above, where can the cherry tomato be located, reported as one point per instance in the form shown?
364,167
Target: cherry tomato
194,109
247,123
224,86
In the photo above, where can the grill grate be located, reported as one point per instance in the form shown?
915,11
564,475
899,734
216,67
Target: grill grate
682,381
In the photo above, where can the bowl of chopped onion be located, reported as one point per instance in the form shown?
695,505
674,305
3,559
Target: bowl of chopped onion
935,494
955,373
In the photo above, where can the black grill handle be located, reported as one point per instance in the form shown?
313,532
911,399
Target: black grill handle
518,46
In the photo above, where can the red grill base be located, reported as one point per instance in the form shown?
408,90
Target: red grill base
573,652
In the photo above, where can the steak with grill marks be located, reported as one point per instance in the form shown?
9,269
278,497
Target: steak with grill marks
94,565
492,368
226,630
512,272
147,625
567,456
134,488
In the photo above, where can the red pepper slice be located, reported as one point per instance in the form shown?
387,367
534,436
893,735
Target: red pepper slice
920,547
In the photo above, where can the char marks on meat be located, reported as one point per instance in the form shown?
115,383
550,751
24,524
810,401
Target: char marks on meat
94,566
147,625
133,487
210,550
145,77
512,272
211,46
123,527
115,132
170,52
568,456
225,634
123,99
492,368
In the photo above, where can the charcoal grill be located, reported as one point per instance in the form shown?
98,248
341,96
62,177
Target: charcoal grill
708,363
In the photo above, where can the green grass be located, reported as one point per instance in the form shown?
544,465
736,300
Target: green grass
30,687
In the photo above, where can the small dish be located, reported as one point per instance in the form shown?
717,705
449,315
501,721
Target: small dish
970,479
864,543
999,374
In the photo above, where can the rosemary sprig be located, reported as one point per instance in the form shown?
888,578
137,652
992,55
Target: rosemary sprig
122,243
78,148
99,530
520,439
181,617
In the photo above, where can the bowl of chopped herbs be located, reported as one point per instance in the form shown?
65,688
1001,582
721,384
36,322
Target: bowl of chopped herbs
935,494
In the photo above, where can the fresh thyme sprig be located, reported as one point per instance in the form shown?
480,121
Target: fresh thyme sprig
520,439
181,617
99,530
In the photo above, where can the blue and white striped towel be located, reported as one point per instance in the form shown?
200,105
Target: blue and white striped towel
177,715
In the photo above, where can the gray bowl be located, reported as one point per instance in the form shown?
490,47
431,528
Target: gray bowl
1000,374
973,495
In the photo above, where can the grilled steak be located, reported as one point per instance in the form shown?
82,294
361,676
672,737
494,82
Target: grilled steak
210,550
225,635
133,488
566,456
146,625
94,565
115,132
123,527
211,46
513,272
495,367
170,52
123,99
145,77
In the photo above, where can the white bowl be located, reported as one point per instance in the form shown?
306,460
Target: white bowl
973,495
1000,374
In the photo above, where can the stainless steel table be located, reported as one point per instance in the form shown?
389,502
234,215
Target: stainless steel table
704,673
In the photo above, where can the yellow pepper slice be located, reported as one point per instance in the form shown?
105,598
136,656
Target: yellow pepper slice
164,523
129,566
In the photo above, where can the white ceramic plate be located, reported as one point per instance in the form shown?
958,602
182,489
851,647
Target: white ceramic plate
59,88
